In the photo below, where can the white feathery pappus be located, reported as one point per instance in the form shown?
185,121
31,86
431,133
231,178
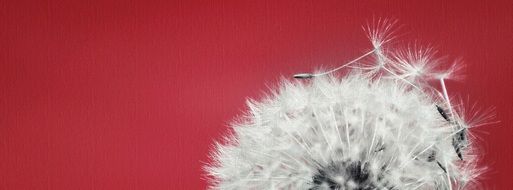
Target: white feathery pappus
379,126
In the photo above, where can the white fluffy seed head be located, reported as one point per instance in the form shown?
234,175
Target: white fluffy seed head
366,130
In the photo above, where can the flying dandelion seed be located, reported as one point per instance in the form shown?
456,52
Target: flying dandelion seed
381,126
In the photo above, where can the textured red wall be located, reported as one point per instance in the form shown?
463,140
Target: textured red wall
130,94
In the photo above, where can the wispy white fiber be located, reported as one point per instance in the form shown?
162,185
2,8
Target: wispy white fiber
380,126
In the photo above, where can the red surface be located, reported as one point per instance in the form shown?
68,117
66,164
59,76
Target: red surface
131,94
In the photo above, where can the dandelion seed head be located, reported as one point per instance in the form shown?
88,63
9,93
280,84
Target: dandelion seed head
380,126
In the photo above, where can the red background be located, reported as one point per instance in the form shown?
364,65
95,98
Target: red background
131,94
